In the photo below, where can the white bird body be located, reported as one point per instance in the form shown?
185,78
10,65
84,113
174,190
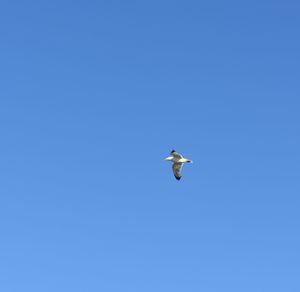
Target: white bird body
178,161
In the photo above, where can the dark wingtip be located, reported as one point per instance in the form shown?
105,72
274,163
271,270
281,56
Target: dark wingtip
178,177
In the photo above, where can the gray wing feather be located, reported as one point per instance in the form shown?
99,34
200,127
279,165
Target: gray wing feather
176,155
176,170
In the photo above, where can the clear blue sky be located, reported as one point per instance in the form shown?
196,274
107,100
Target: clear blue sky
95,94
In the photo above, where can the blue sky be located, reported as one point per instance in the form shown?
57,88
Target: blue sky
95,94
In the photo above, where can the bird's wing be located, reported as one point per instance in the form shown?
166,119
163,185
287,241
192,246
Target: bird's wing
176,154
176,170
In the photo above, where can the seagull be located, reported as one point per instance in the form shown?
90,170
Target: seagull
178,162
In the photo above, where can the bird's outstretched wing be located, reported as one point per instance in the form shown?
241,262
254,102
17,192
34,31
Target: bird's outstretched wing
177,169
176,154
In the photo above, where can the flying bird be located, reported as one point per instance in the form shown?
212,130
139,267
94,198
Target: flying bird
178,161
